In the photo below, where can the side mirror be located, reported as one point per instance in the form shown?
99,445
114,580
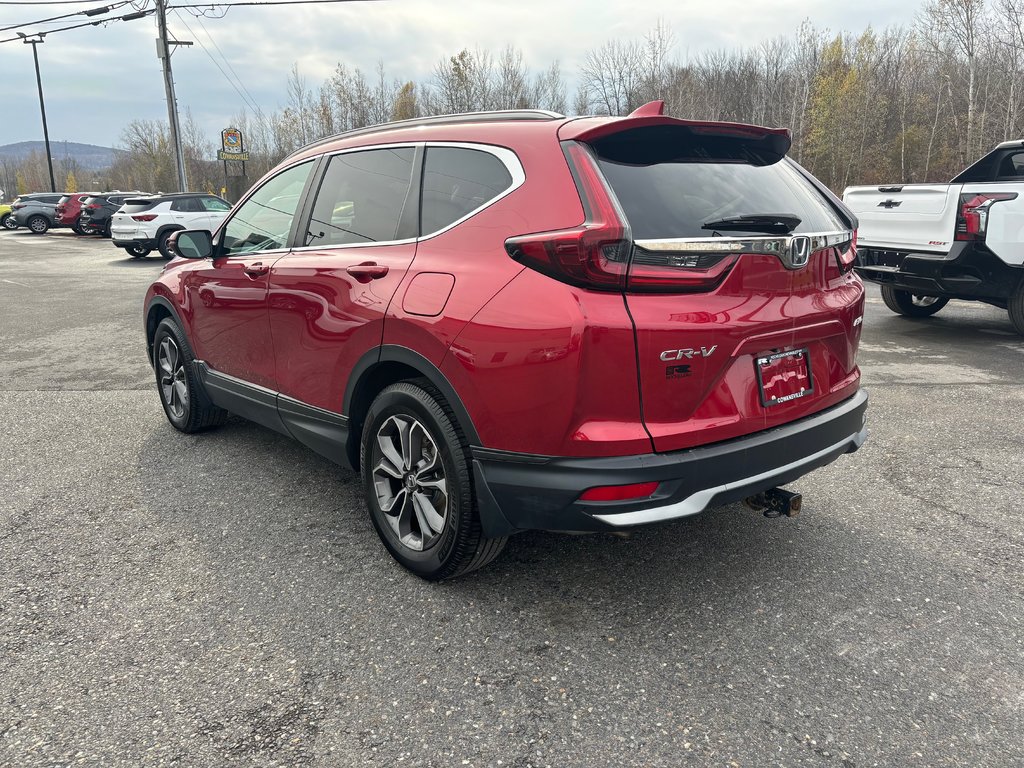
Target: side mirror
192,243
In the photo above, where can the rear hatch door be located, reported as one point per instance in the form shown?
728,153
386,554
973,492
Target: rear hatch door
712,298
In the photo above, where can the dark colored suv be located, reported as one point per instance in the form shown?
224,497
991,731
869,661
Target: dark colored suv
98,209
519,320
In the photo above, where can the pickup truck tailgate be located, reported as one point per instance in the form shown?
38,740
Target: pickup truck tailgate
919,217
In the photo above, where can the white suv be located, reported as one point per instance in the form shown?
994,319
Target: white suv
145,223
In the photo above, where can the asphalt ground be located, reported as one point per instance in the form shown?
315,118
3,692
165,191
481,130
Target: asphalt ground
222,600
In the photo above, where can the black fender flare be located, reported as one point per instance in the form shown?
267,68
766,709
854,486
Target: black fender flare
165,304
393,353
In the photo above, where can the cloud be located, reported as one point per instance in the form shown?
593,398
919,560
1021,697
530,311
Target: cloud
99,78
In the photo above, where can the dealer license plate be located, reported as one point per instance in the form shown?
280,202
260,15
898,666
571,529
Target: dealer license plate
784,376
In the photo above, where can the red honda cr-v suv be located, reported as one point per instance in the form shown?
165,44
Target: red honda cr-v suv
520,320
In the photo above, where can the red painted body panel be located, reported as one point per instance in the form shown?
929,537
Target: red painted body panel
761,307
227,309
324,319
549,369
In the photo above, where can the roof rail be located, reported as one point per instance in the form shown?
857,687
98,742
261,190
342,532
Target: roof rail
461,117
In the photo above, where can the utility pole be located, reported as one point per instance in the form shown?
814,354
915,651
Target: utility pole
163,52
42,107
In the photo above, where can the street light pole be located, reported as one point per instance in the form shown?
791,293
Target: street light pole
42,108
163,52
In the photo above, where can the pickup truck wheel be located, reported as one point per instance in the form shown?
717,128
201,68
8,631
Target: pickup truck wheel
416,476
912,304
1016,308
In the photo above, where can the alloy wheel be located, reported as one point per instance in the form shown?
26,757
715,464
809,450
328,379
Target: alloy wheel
173,381
923,301
409,482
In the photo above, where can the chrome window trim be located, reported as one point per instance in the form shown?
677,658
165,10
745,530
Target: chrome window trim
770,245
507,157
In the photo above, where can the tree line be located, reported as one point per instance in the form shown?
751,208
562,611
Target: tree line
901,104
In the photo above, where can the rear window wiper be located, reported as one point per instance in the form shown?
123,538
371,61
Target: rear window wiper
773,223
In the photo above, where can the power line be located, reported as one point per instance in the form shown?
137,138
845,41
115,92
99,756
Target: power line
227,61
128,17
45,2
88,12
215,62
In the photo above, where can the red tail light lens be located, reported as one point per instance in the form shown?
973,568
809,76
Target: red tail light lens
16,206
593,255
93,206
972,218
144,217
619,492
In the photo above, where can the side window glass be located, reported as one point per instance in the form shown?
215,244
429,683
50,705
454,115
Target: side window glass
456,182
361,197
178,205
214,204
262,222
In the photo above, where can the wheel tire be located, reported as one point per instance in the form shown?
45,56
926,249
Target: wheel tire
137,251
37,225
459,546
185,402
164,247
77,229
1016,309
8,222
105,232
911,304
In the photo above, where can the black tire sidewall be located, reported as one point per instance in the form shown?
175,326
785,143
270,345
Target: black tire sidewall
902,302
400,399
165,329
163,247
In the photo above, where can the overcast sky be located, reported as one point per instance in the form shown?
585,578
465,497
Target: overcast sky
97,79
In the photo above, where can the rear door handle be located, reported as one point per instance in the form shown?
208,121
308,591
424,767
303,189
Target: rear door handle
258,269
367,271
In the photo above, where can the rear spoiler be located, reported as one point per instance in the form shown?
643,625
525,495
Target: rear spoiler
767,145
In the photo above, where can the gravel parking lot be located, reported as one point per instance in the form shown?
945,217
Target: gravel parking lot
222,600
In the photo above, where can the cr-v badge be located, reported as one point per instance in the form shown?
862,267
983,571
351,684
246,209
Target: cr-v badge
678,354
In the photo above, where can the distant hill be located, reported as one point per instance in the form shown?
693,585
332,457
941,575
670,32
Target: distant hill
89,156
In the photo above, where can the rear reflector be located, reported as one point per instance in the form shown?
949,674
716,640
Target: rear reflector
619,492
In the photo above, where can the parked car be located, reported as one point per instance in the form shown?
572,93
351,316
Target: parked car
97,211
518,320
6,220
145,223
925,244
36,211
69,208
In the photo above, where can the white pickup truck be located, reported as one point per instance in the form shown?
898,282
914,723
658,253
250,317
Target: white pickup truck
928,243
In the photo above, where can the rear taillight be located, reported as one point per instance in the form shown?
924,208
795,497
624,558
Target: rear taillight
593,255
16,206
144,217
972,216
600,254
93,206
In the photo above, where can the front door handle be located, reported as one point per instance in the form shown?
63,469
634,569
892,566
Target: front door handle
258,269
367,271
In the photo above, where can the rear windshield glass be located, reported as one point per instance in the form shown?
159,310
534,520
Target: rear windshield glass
134,206
64,199
674,199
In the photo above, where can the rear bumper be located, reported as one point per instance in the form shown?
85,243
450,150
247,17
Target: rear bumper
517,492
126,242
968,271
